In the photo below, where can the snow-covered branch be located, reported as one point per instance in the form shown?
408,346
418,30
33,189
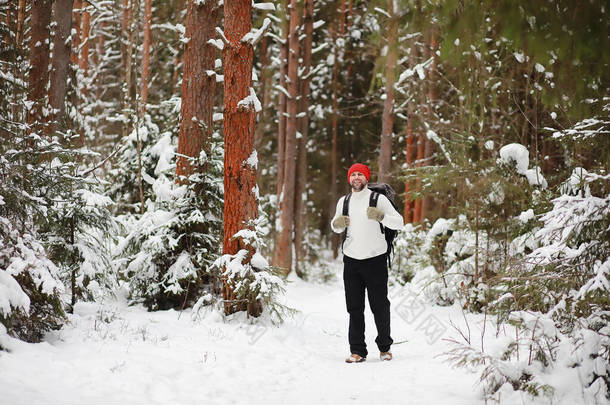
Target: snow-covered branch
263,6
253,37
222,35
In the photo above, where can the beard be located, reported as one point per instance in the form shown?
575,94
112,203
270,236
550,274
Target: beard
358,185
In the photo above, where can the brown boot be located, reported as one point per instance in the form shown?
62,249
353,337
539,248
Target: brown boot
387,356
355,358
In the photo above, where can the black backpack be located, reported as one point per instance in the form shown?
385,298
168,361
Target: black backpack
376,189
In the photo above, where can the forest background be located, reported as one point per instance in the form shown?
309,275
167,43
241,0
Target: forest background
195,150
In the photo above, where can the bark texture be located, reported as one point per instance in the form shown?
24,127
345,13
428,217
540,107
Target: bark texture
239,119
20,23
84,41
39,62
60,63
198,87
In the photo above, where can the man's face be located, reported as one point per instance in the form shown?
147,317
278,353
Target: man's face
357,180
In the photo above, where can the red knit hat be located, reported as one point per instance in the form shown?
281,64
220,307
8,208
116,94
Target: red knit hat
359,167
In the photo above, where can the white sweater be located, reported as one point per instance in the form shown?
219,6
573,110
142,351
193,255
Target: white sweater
364,238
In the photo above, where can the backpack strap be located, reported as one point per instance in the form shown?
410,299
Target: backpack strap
373,203
373,199
346,203
345,212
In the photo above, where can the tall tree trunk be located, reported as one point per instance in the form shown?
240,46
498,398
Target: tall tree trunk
421,147
281,131
334,142
264,80
387,120
84,41
334,193
101,40
145,76
198,88
284,251
431,104
74,55
39,62
410,160
76,23
21,9
129,37
125,23
62,11
300,217
239,122
178,7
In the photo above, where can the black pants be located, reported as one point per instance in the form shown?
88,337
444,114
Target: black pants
372,275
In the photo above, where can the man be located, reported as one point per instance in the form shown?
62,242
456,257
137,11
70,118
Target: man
365,261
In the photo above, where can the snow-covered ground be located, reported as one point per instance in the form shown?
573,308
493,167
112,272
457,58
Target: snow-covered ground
115,354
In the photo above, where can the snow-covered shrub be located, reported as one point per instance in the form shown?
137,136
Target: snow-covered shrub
254,283
78,233
444,262
145,146
167,253
50,211
30,287
515,360
555,293
409,257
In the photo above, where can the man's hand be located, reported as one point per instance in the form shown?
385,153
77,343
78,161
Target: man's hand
341,222
375,214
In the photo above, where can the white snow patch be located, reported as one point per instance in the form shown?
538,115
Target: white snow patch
519,56
253,159
526,216
517,153
264,6
251,101
164,150
258,261
535,177
11,295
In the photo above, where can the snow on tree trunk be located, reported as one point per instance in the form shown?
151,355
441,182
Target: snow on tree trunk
300,199
387,119
62,11
198,86
239,119
39,62
287,212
